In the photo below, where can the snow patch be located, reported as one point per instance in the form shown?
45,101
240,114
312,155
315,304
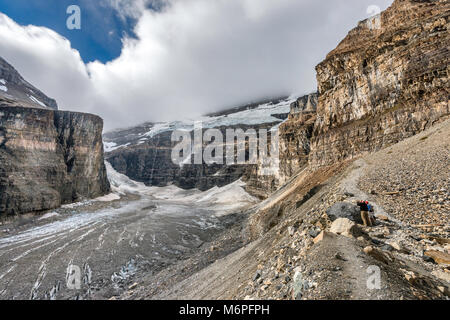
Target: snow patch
36,101
111,146
121,184
49,215
220,199
108,198
3,85
223,200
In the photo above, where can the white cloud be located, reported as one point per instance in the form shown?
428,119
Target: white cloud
132,8
193,57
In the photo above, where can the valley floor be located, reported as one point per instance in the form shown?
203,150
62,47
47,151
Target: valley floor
109,242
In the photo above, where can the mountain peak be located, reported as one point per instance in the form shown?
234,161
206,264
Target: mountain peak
15,90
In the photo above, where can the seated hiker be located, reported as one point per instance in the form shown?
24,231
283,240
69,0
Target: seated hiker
364,206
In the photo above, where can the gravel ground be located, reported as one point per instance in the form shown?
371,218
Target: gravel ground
412,179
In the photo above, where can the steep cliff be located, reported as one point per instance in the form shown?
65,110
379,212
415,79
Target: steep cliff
294,147
47,157
386,81
295,135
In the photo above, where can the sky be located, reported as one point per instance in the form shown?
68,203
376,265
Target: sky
158,60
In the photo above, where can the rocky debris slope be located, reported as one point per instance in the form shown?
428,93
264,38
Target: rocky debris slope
383,84
47,157
15,90
415,186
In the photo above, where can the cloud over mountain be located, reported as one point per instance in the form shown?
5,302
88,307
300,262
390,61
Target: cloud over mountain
189,57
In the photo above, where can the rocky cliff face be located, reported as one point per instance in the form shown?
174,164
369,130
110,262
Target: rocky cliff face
386,81
295,135
151,163
47,157
294,147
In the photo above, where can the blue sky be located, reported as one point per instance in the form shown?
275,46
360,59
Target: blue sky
101,29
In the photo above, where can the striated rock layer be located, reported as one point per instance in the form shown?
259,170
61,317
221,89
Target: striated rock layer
386,81
294,147
49,158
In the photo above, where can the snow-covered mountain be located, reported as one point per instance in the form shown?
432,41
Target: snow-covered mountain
143,152
265,113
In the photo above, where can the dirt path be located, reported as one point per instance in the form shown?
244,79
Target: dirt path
349,185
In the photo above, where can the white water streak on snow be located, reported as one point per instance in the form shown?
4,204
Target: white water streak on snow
49,215
43,268
37,101
111,146
7,271
108,198
3,86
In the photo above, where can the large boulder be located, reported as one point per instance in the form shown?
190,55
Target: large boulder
345,227
438,256
345,210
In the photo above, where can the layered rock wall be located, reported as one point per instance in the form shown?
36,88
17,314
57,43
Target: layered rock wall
385,82
294,148
49,158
